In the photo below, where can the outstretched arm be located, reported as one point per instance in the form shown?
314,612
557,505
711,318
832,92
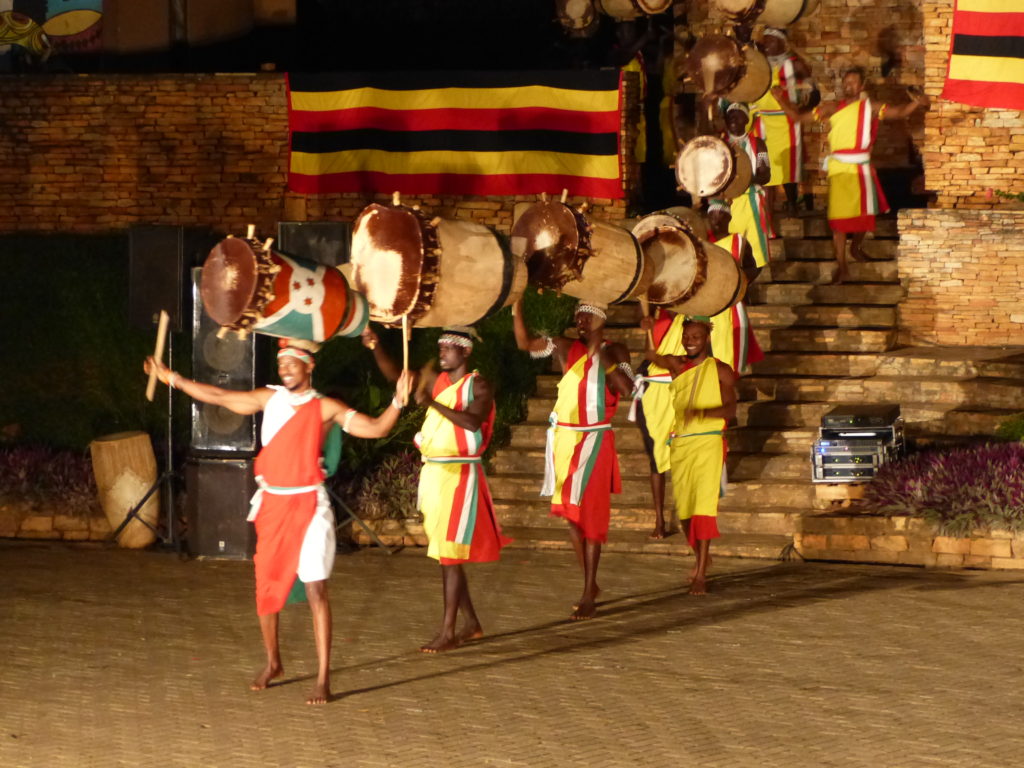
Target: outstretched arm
794,113
473,416
537,346
387,366
359,424
244,403
891,112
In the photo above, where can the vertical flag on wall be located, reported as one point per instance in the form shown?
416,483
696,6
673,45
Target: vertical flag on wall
986,57
470,133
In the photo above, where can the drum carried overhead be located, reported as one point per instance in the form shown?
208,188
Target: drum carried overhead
577,17
566,252
740,11
624,10
742,175
437,271
680,264
781,13
756,80
715,64
724,285
705,166
246,286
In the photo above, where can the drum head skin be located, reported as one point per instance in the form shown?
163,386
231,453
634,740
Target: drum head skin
723,287
696,222
654,6
742,176
756,80
623,10
780,13
387,260
229,280
679,265
576,15
705,166
809,7
739,11
547,238
715,64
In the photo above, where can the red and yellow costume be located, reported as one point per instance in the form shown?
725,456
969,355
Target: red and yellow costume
698,450
732,338
458,514
582,466
652,400
293,517
781,134
751,214
854,193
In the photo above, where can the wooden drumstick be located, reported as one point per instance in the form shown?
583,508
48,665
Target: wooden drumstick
250,232
405,350
565,194
645,307
158,353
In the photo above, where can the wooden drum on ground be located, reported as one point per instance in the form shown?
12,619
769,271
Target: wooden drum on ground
248,287
125,469
586,258
724,285
437,271
756,80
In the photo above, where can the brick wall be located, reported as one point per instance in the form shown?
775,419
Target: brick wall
962,272
970,152
98,153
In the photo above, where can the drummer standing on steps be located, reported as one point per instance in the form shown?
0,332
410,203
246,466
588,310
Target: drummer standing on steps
582,468
293,517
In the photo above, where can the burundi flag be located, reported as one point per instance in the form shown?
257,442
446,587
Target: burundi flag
986,60
464,133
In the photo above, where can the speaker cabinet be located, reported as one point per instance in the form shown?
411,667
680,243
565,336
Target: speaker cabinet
229,363
219,491
324,242
158,259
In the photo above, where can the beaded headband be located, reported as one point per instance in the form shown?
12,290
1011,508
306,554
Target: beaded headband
591,309
774,31
719,205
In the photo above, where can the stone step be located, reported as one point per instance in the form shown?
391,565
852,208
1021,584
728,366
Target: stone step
818,364
533,435
823,271
961,363
796,294
765,547
781,316
816,225
779,415
880,250
516,460
768,440
745,467
539,406
825,339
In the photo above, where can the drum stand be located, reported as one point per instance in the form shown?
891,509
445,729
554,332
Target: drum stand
351,516
167,477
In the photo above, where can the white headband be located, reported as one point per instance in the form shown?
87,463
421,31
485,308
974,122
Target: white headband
591,309
718,205
456,340
776,33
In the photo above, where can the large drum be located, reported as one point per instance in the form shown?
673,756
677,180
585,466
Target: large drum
724,285
566,252
715,64
577,17
676,217
756,80
705,166
125,469
437,271
740,11
680,264
781,13
249,287
631,9
742,174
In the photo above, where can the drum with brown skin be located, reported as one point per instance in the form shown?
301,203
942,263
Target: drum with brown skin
724,285
780,13
705,166
715,64
756,80
743,175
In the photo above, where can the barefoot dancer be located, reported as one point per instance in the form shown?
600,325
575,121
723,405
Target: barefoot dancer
582,466
458,515
293,517
704,396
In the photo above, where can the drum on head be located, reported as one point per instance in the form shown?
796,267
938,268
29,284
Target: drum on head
715,64
756,80
742,176
566,252
780,13
680,264
809,7
722,288
577,17
438,272
705,166
248,287
623,10
740,11
653,7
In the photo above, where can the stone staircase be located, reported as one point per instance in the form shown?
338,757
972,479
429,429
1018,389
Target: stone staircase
825,344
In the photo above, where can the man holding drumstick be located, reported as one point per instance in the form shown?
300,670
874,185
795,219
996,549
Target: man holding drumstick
293,516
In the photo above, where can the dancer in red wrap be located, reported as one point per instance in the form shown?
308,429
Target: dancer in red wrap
293,517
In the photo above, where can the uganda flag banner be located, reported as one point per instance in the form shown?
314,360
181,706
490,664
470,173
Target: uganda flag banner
461,133
986,58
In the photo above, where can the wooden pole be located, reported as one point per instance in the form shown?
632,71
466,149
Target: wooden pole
645,307
405,350
158,353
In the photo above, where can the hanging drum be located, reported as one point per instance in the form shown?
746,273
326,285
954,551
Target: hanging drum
577,17
756,80
248,287
715,64
705,166
624,10
678,259
589,259
437,271
780,13
723,286
677,217
809,7
740,11
742,174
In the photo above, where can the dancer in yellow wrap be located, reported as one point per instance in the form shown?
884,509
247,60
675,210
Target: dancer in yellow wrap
704,399
458,514
750,213
854,193
582,468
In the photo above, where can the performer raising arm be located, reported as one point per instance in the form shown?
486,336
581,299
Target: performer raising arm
582,468
458,514
293,516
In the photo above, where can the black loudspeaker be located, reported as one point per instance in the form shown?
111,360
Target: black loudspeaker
219,491
325,242
158,259
227,362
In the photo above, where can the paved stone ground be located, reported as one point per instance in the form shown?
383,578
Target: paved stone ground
115,658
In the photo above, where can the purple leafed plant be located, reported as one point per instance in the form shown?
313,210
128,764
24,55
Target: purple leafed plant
958,490
389,490
62,479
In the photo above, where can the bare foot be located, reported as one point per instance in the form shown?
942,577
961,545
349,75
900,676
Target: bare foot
440,644
262,680
698,587
841,277
658,533
597,594
474,632
584,611
693,573
321,694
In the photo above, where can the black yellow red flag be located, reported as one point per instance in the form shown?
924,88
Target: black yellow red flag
986,57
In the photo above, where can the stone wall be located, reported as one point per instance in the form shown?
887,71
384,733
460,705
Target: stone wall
84,153
970,152
963,277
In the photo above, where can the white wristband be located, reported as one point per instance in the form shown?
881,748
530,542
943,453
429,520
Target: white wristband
170,380
396,403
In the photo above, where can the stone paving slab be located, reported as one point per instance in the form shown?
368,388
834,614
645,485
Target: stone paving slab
115,658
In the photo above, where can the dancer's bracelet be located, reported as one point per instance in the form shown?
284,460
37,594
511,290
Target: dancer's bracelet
396,403
171,378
